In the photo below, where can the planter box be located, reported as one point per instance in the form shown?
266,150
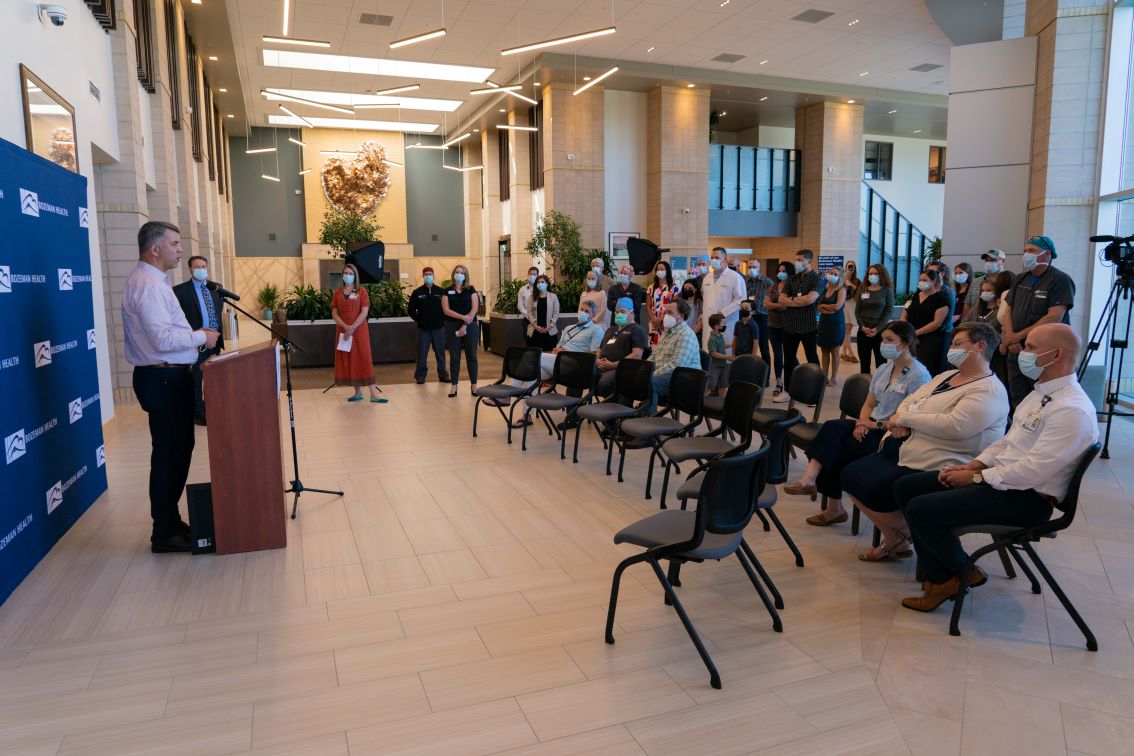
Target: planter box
511,330
391,340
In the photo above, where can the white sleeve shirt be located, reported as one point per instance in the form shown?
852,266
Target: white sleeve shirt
1051,429
722,293
154,326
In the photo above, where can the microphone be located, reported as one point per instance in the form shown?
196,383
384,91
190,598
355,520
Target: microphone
214,286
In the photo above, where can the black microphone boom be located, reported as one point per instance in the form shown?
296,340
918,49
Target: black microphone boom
214,286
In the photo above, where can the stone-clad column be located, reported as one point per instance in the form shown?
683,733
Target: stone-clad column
677,169
829,136
573,158
1070,68
520,219
492,214
474,235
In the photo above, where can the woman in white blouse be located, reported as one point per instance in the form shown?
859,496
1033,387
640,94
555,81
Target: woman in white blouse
948,421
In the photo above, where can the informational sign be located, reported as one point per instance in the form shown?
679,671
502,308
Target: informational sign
54,462
826,262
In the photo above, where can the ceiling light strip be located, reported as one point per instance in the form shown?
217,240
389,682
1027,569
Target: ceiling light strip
394,163
399,90
286,15
420,146
270,178
407,41
305,171
293,140
511,127
523,97
368,66
357,124
466,169
312,103
595,80
271,39
259,150
559,41
378,106
494,88
461,138
296,115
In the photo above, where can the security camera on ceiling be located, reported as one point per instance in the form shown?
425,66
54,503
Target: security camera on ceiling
56,14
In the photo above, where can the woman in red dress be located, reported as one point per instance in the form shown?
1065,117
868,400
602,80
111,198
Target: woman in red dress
350,307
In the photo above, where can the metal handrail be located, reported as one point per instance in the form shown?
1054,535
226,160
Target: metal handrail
898,244
759,179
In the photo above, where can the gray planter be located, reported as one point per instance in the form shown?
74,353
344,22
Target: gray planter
391,340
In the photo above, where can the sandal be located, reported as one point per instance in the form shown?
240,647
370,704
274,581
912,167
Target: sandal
778,390
886,553
832,383
357,398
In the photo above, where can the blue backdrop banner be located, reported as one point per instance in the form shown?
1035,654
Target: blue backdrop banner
54,462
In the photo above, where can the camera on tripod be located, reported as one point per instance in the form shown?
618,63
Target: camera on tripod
1119,251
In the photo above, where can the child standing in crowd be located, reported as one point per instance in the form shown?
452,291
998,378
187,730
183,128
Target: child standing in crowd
718,360
747,331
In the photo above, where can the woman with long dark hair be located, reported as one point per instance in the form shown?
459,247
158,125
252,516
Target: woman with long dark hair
662,289
784,271
927,311
874,304
543,315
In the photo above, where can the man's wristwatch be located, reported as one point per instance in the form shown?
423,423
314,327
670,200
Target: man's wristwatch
878,424
978,478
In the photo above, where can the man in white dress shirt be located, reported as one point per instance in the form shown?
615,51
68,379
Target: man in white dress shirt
722,291
162,347
1016,480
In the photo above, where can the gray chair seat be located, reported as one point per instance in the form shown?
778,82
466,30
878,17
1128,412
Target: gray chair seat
605,412
675,526
698,447
644,427
553,401
804,433
766,416
501,391
714,406
997,531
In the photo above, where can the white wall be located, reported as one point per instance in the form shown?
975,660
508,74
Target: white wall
781,137
68,59
624,160
909,189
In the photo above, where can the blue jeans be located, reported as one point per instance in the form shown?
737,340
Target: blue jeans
661,388
426,338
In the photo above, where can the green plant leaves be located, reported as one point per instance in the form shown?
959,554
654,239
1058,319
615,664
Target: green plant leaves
340,229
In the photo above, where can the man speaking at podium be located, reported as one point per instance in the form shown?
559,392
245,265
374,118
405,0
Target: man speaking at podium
202,309
163,348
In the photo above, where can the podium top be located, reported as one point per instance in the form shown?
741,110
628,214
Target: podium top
263,346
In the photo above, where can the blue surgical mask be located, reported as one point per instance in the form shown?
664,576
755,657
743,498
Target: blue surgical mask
833,279
890,351
958,356
584,317
597,270
873,279
782,276
200,274
459,278
961,277
542,285
1028,366
531,280
592,283
428,279
992,267
715,263
348,279
988,296
660,274
623,278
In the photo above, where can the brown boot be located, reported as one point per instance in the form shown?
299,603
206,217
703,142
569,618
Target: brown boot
935,595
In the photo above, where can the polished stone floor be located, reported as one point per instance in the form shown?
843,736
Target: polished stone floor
453,602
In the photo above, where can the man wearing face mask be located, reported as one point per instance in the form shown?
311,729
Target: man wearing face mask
524,298
1016,480
801,319
624,287
678,347
757,287
425,309
604,281
202,309
722,291
625,339
1040,295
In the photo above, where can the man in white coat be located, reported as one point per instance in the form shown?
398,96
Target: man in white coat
722,290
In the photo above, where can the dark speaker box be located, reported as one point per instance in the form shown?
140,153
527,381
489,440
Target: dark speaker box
201,529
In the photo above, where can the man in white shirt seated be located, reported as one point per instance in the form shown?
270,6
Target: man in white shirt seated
1016,480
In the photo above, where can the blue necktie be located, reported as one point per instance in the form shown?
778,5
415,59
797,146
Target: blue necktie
210,308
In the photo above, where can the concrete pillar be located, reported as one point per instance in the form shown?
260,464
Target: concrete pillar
829,136
573,158
1070,69
492,214
677,169
520,218
473,210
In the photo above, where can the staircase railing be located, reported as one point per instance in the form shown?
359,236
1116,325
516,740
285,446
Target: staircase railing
888,238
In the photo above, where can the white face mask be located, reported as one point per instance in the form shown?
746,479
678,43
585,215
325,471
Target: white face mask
668,321
660,274
591,283
873,278
1030,262
961,277
924,285
200,274
991,267
988,296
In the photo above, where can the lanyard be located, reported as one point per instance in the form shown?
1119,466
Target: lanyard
944,386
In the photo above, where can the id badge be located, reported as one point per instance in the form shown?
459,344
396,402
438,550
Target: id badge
916,406
1032,423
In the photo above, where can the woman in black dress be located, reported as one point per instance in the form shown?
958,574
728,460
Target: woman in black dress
460,305
927,311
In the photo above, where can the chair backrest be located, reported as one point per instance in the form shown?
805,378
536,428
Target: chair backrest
706,360
750,368
855,391
728,495
778,446
687,392
1070,503
739,402
808,384
574,370
522,364
633,380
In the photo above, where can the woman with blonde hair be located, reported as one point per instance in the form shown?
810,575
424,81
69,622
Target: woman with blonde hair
832,323
350,307
850,273
462,333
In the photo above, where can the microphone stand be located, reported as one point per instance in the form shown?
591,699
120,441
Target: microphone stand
296,486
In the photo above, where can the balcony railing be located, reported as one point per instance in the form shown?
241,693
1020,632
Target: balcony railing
888,238
753,178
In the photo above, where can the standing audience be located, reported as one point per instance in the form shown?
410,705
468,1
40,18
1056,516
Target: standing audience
757,287
543,315
662,290
850,277
350,308
425,309
927,311
595,295
722,291
963,284
746,333
777,315
462,332
832,323
718,359
801,322
625,287
874,304
524,299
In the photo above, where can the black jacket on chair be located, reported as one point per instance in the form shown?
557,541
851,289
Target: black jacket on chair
190,304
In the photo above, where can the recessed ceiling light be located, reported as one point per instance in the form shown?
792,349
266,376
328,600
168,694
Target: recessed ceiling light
765,97
270,178
650,49
405,42
535,83
398,90
305,171
726,2
559,41
196,2
850,102
586,78
892,112
852,23
294,115
259,150
360,123
511,127
349,99
278,95
724,113
222,90
356,64
271,39
590,84
230,115
917,131
476,131
690,86
293,140
213,57
864,73
502,110
765,60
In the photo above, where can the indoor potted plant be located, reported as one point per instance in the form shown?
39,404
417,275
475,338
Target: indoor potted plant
268,299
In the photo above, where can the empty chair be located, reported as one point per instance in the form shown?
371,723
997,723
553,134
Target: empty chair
521,366
574,372
715,530
686,396
808,385
633,390
747,368
777,474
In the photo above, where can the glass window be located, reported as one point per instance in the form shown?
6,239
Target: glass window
937,165
879,161
505,176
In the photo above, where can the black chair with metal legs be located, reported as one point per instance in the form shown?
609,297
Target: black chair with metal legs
633,390
808,386
715,530
521,364
573,372
1019,541
686,395
777,474
748,368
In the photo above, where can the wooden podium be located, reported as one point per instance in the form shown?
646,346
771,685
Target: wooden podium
242,396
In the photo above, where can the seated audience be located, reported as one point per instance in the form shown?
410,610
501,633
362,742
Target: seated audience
840,442
945,422
1016,480
678,347
718,359
625,340
583,336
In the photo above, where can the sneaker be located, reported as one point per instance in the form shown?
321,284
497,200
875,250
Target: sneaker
782,398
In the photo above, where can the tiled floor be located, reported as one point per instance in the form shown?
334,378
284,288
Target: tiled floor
453,602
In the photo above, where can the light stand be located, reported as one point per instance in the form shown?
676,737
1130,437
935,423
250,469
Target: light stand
296,486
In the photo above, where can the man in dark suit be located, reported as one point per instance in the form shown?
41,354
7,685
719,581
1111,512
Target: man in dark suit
202,309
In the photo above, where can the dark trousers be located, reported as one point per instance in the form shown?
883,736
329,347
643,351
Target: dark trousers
469,343
166,394
198,395
792,342
1019,385
426,338
765,350
604,386
867,346
835,447
776,336
932,512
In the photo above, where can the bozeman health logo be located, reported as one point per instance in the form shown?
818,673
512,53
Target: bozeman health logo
54,494
15,446
92,339
75,407
45,352
100,456
65,282
84,218
29,203
5,280
8,279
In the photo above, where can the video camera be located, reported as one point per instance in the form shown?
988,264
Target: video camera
1119,251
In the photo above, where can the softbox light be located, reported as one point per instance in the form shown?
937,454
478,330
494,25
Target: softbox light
370,259
644,255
